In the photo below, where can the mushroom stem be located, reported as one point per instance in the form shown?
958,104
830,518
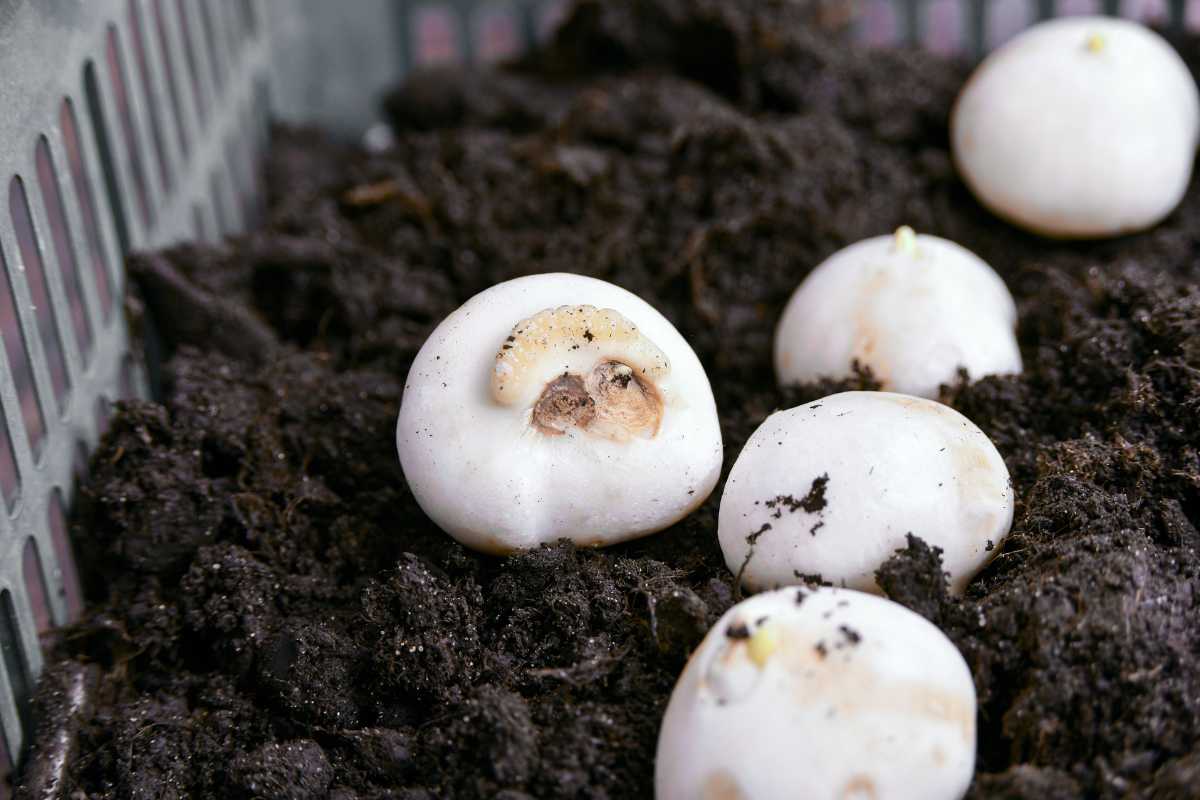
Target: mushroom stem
906,240
763,644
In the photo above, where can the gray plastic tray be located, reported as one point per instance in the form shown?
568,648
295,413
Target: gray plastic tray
127,124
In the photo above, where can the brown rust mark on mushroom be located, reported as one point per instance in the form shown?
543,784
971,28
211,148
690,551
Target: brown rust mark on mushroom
980,477
853,687
563,404
860,787
876,295
626,403
867,334
909,699
720,785
920,404
495,547
612,402
981,482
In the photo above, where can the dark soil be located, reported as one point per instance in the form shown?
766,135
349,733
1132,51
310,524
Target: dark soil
273,616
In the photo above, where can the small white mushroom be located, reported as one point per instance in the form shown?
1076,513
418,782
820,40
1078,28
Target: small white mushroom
825,693
1079,127
913,308
834,487
557,406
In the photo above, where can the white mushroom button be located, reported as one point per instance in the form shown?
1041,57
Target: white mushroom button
1079,127
832,488
826,693
557,406
913,308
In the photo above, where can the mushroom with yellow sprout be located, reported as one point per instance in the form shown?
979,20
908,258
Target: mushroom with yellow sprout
1079,127
825,693
913,308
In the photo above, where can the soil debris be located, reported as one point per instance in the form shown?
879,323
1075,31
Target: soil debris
269,608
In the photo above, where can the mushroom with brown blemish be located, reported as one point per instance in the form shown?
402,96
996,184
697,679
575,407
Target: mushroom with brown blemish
557,406
820,693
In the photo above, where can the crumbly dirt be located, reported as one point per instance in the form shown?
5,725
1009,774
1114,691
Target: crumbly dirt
273,616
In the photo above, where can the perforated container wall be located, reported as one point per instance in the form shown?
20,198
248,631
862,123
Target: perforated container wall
128,124
124,124
320,79
973,27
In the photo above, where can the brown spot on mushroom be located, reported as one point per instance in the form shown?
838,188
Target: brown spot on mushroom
860,787
493,546
563,404
866,348
873,295
721,785
855,688
979,474
626,405
613,401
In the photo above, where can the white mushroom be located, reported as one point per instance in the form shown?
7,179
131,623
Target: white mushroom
913,308
1079,127
825,694
557,406
833,488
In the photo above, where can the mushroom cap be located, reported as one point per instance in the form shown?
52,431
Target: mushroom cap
484,475
913,314
1079,127
833,488
825,693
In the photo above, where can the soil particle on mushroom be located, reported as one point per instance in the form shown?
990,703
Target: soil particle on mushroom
738,631
813,502
268,604
751,538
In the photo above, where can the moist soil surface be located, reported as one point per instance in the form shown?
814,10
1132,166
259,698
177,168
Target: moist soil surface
272,615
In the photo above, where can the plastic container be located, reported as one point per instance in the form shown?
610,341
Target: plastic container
128,124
